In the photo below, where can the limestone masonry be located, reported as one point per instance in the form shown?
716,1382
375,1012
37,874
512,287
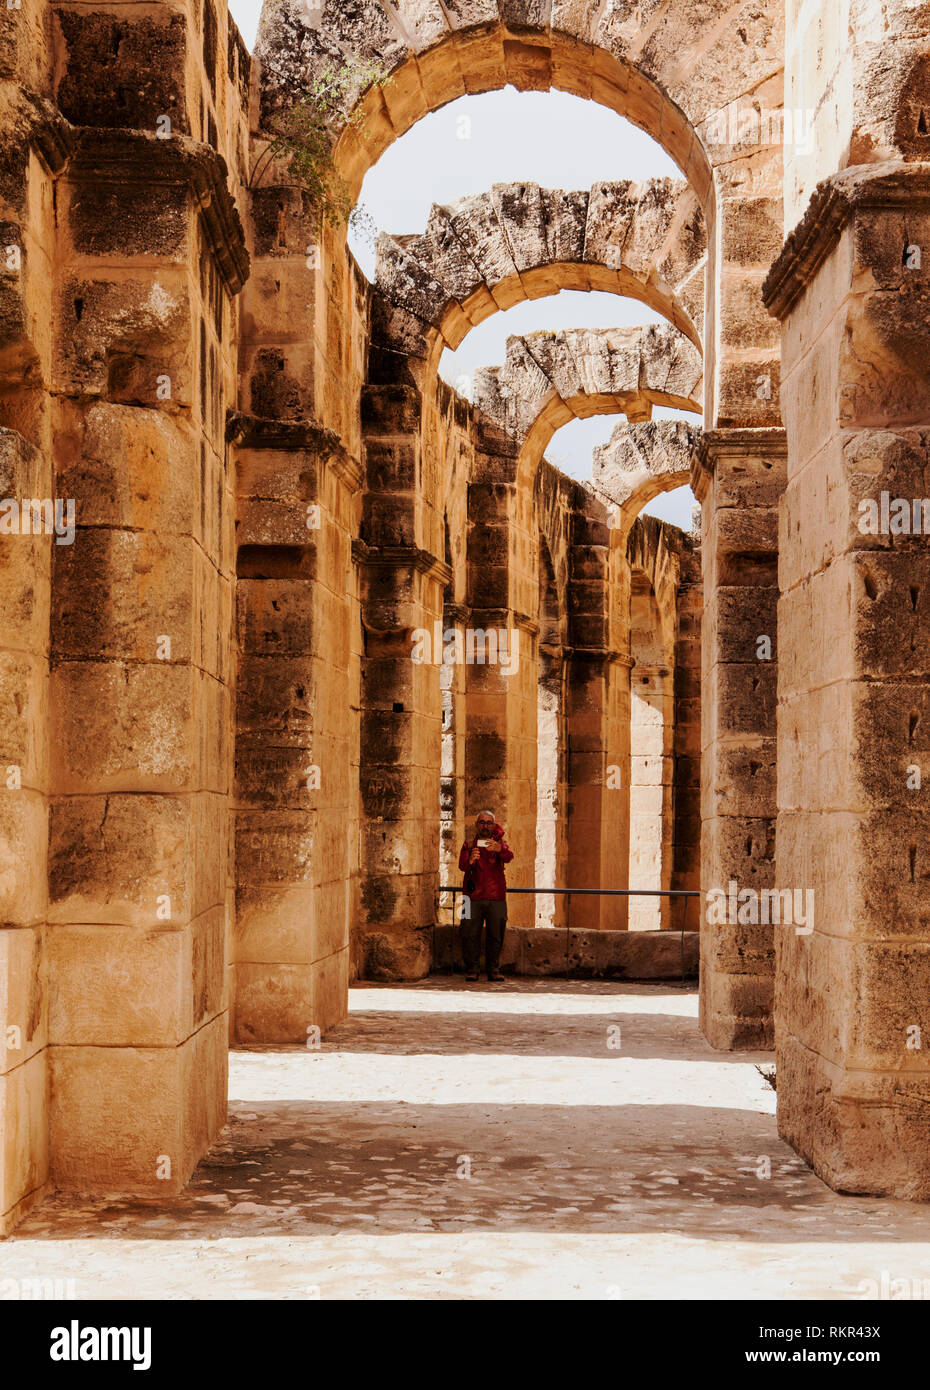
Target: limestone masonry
235,494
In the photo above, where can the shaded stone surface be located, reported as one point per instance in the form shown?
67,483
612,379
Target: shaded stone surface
623,955
219,771
596,1172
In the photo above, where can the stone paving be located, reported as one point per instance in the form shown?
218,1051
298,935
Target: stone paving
536,1139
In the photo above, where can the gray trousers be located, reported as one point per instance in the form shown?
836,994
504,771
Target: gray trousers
493,916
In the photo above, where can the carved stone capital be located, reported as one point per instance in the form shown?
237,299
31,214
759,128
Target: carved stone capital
133,156
904,187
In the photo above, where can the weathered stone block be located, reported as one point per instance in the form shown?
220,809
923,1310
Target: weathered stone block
24,1152
122,859
145,80
99,1143
118,594
23,996
23,847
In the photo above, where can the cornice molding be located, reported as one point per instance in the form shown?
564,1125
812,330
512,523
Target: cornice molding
295,436
593,654
729,443
645,669
833,203
137,156
401,557
503,617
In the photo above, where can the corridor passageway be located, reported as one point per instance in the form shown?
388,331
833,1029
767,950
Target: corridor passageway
540,1139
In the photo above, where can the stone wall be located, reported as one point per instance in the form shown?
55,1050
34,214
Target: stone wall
851,730
226,786
738,477
120,319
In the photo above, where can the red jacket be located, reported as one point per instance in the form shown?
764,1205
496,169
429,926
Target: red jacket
490,883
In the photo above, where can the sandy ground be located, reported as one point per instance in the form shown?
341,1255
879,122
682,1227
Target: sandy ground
536,1139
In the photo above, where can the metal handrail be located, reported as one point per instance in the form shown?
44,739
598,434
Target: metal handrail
605,893
602,892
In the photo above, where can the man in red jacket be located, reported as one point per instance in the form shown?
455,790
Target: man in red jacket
482,861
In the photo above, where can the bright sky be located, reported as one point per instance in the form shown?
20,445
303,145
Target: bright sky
550,138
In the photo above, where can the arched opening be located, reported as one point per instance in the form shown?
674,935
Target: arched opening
438,56
550,380
550,748
477,141
450,760
408,427
651,756
518,243
560,311
582,449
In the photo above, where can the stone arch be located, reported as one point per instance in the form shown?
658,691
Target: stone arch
550,379
670,76
639,462
484,254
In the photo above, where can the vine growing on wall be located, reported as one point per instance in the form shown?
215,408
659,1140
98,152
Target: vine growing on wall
303,137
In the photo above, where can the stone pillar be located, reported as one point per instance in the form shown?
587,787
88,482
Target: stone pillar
501,698
295,829
36,144
500,745
25,563
586,766
651,766
401,749
738,478
854,717
616,796
551,787
598,733
452,779
686,913
139,861
402,598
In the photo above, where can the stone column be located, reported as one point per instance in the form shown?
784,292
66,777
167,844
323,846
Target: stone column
598,728
854,715
452,784
25,564
141,654
501,698
686,787
500,745
551,789
651,766
402,588
738,478
36,144
295,831
401,750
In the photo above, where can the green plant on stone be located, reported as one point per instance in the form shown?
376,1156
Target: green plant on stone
303,136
